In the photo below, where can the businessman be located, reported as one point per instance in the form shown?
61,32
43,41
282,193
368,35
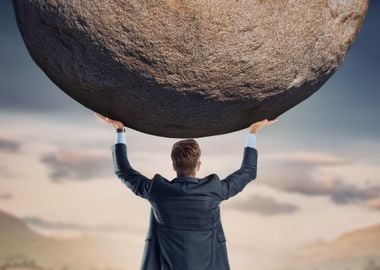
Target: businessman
185,229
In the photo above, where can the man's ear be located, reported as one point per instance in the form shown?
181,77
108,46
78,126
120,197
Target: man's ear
199,165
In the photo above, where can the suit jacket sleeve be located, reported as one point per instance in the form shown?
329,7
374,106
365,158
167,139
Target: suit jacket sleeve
235,182
134,180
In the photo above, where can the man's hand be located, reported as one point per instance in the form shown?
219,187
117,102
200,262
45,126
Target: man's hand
255,127
114,123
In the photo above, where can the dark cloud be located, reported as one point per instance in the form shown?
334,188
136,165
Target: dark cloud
338,191
9,145
24,87
345,193
6,196
300,175
264,205
83,164
59,225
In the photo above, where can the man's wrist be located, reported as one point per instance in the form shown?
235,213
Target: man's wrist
251,140
120,136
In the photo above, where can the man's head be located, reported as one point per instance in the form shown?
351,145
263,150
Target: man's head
185,156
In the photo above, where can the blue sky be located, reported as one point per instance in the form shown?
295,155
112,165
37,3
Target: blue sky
321,159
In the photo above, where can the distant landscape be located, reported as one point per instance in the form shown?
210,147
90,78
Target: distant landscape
23,248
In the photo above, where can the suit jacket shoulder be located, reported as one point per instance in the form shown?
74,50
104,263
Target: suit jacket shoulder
205,186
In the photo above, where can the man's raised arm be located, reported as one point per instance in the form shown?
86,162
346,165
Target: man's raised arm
134,180
235,182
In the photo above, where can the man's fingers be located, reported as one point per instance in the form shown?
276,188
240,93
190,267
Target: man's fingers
104,118
101,116
273,121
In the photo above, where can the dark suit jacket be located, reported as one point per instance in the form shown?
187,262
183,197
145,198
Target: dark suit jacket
185,229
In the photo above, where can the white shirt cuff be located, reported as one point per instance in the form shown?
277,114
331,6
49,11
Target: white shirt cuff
251,140
120,137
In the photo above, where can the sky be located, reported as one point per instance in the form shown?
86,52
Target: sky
318,166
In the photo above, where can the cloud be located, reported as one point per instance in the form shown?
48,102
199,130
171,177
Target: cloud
338,191
344,193
6,173
42,223
6,196
311,158
264,205
8,145
81,164
298,173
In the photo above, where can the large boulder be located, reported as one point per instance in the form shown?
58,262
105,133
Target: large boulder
194,68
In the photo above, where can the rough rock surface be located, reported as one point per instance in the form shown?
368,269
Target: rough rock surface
182,69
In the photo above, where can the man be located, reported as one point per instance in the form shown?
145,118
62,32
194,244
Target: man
185,230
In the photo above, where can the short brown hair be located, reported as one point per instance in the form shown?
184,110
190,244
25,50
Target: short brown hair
185,154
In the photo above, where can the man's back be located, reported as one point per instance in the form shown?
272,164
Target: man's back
186,203
185,231
186,215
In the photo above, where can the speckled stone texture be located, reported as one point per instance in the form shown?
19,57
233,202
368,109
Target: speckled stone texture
194,68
